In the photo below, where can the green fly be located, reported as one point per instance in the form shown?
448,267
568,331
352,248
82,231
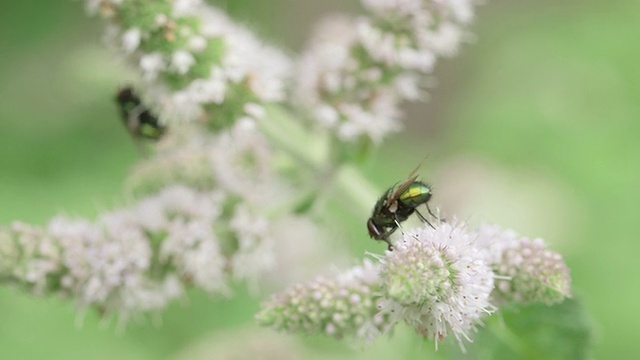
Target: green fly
396,205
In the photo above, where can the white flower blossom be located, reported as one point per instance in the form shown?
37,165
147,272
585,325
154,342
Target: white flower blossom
182,61
182,8
131,40
437,281
197,43
101,260
242,161
375,122
151,65
255,254
245,60
194,250
255,111
161,20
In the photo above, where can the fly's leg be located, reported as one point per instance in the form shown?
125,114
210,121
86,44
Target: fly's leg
424,219
432,214
386,235
398,226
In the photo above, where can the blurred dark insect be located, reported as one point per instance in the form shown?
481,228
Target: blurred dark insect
139,121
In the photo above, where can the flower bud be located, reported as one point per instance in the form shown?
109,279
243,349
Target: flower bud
528,271
339,307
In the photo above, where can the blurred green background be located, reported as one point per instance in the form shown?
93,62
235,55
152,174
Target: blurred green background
534,126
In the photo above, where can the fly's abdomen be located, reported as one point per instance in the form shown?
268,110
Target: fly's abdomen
417,194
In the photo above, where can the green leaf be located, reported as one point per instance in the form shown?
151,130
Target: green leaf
562,331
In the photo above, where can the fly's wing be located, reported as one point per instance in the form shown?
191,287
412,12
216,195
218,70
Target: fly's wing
402,188
405,185
418,166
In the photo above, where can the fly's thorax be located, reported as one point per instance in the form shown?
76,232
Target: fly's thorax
384,220
381,204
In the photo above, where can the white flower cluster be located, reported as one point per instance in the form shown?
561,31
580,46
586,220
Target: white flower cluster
139,258
193,59
128,261
239,162
436,280
356,72
204,216
439,281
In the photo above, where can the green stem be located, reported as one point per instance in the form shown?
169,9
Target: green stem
290,135
318,154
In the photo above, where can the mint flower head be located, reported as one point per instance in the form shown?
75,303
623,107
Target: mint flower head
355,73
342,306
194,62
141,257
129,261
528,272
238,163
437,281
